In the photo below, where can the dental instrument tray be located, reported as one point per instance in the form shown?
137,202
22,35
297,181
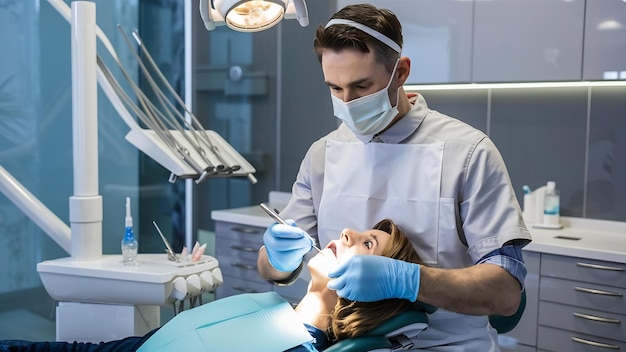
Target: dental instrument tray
107,280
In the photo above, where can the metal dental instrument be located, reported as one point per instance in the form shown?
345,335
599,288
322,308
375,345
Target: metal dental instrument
280,220
170,252
201,139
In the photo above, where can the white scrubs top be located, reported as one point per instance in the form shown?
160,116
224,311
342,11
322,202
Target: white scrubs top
442,181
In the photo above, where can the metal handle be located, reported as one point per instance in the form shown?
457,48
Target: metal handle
597,292
246,230
274,215
595,344
244,249
244,266
601,267
244,289
595,318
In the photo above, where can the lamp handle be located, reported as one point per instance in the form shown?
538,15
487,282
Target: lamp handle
302,14
205,13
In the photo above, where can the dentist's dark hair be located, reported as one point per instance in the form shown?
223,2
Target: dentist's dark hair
339,37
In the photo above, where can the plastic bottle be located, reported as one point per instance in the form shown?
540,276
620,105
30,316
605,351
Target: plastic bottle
551,208
129,243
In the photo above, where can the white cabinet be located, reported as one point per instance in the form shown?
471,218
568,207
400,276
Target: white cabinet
236,248
521,40
440,47
605,40
437,36
453,41
572,304
581,304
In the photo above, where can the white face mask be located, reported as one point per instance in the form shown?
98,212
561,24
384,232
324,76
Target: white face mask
369,114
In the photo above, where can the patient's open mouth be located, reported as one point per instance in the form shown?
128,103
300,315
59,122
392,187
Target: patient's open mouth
333,248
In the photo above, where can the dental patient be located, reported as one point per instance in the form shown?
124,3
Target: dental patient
327,317
330,318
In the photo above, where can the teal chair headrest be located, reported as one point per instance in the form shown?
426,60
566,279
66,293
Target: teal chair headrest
408,322
415,320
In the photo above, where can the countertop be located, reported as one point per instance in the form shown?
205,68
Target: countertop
584,238
253,215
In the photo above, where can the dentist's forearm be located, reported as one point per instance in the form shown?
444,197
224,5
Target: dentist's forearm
483,289
267,271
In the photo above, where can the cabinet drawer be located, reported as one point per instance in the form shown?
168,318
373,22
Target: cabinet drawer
583,294
582,320
238,258
239,232
235,286
551,339
587,270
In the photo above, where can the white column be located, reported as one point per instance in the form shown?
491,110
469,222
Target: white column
86,203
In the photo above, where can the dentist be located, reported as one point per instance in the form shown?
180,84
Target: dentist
442,181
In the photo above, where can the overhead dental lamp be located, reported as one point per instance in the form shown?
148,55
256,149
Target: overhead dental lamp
251,15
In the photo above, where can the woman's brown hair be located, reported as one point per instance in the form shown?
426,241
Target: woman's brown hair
349,318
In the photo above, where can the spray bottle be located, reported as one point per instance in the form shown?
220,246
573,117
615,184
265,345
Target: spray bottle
129,243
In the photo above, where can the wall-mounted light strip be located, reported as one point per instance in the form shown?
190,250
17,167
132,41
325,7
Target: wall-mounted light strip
423,87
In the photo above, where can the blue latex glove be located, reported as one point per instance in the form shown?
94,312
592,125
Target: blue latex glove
369,278
286,245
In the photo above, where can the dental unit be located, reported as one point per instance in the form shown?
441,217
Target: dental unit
126,299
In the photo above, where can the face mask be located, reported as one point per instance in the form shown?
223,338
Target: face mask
369,114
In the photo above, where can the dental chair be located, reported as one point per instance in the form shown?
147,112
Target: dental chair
261,314
504,324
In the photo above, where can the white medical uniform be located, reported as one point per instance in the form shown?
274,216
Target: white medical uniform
442,181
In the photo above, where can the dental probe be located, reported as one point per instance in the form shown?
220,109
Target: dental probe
280,220
168,248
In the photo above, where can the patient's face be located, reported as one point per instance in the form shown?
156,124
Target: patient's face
349,243
352,242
